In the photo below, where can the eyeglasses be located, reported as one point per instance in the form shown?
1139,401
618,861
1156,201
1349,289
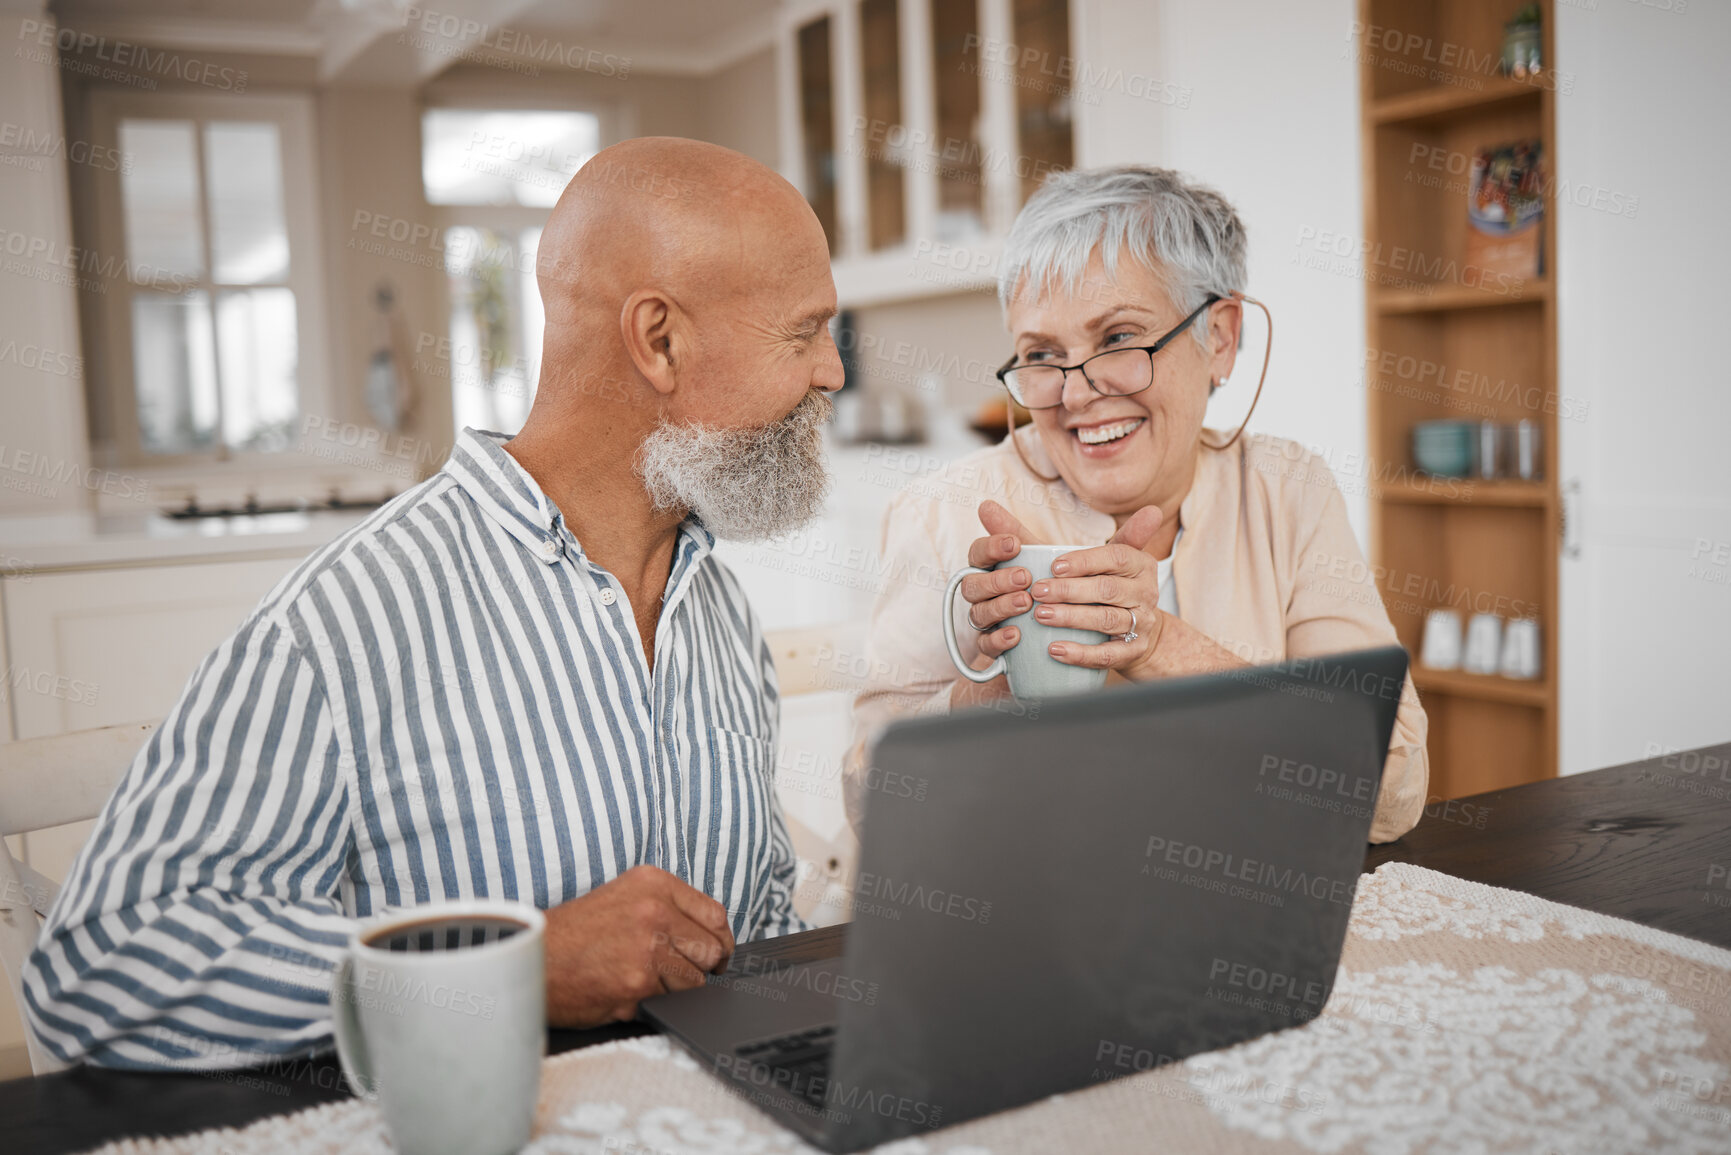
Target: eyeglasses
1114,373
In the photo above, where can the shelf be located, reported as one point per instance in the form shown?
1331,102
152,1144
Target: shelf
1448,102
1465,491
1454,298
1446,338
1483,687
917,272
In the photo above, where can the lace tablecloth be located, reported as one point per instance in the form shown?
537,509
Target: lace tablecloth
1466,1019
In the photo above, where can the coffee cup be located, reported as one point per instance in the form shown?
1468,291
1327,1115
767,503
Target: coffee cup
1033,673
440,1016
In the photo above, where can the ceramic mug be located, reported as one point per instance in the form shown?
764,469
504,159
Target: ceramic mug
1521,649
1441,649
1033,672
1483,650
440,1016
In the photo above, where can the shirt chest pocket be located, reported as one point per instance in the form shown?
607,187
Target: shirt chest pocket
742,768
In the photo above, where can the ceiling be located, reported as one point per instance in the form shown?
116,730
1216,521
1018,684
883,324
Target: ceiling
675,24
364,40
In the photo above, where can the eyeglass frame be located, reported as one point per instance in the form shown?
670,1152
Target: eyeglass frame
1151,350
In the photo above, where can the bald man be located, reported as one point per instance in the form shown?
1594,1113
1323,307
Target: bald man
528,678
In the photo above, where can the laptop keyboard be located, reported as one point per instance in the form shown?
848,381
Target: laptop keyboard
804,1055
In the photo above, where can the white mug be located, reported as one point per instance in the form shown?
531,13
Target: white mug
440,1016
1033,673
1483,649
1521,649
1441,649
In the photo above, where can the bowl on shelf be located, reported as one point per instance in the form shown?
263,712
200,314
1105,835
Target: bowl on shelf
1444,448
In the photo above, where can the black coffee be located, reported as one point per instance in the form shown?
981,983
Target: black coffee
436,934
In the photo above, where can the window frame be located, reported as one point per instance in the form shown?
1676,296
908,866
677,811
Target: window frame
614,123
112,386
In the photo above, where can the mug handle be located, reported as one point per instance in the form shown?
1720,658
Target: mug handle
346,1026
998,665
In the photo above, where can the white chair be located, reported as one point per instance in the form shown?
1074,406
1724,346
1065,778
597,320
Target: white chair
808,662
48,782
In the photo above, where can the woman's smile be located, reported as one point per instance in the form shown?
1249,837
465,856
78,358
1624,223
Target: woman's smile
1106,438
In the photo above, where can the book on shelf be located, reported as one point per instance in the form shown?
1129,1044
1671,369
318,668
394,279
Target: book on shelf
1506,210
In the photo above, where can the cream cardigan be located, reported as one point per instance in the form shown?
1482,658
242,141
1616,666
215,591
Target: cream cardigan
1267,566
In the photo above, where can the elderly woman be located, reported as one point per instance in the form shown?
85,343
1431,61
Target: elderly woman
1123,292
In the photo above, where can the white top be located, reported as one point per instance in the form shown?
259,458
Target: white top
1163,571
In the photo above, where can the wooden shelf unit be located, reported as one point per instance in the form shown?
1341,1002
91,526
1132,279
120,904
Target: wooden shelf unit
1455,298
1443,345
1483,687
1462,491
1438,103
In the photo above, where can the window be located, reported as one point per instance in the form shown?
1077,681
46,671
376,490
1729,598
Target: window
205,271
484,156
880,43
1043,110
961,184
952,111
817,124
497,171
495,326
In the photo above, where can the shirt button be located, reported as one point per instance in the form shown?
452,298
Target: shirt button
549,550
608,597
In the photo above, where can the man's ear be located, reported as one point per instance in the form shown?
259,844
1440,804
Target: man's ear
656,337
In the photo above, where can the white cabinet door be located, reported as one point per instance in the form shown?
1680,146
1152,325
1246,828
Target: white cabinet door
101,647
1643,234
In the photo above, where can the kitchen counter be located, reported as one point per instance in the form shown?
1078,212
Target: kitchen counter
55,542
811,566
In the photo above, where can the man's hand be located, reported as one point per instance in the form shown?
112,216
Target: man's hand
642,934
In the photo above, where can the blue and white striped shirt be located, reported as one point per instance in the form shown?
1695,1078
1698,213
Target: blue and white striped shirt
449,701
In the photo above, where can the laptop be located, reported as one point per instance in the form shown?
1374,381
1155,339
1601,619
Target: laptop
1059,893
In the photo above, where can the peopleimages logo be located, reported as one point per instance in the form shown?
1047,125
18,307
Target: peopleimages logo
51,254
835,1096
402,987
934,899
139,57
463,35
816,979
1233,868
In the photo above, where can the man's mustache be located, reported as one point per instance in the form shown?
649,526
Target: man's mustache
815,407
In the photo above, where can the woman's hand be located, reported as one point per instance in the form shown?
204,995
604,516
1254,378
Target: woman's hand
1110,588
993,597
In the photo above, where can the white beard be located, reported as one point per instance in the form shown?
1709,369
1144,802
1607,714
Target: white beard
742,484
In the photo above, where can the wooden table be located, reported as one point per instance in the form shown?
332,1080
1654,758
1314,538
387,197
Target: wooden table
1636,841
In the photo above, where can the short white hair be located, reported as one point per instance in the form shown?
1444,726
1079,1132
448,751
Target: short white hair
1188,235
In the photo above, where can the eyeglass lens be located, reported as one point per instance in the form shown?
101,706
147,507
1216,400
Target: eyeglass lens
1114,373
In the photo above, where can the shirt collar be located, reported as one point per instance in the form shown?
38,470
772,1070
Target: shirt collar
506,492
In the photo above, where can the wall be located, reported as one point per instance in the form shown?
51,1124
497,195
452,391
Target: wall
43,408
737,108
1647,604
370,153
637,104
1259,99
